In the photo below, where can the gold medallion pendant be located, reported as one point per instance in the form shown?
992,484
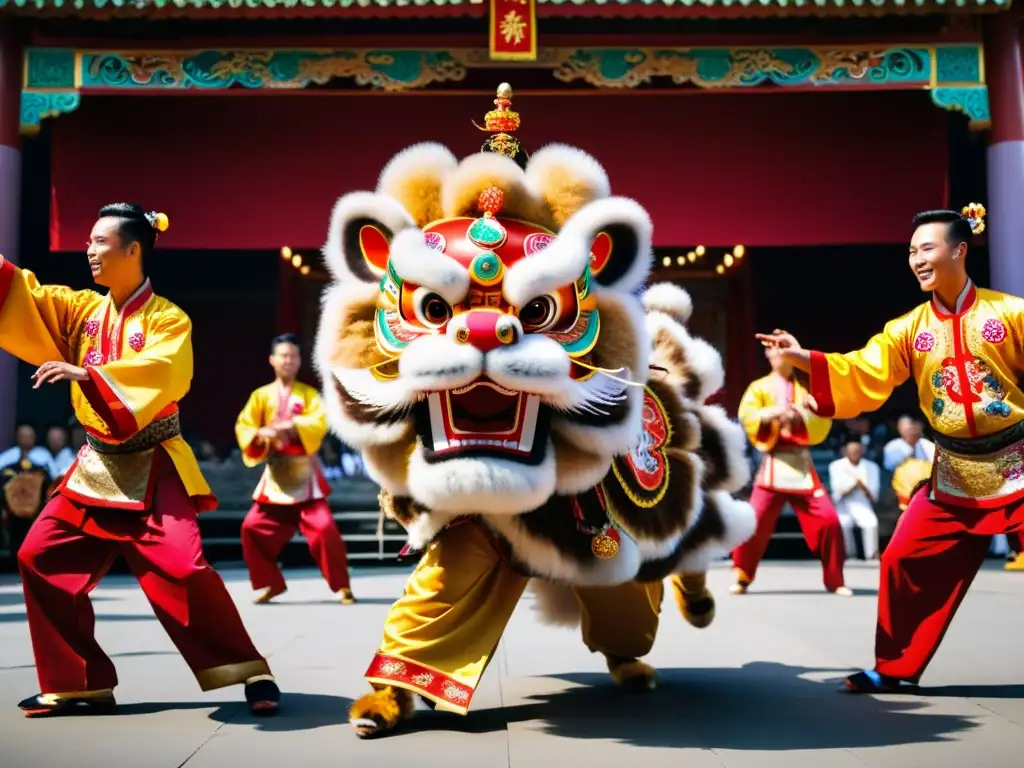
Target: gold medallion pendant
604,546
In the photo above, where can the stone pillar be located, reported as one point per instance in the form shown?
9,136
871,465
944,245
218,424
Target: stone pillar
10,201
1005,162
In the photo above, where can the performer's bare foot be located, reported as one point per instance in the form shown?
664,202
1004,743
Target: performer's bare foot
346,596
632,673
380,712
262,695
269,594
45,705
843,592
694,599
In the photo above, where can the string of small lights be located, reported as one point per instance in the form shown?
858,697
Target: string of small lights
295,259
697,256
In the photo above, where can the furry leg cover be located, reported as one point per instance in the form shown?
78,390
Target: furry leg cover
381,711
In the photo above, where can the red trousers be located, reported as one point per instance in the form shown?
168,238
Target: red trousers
818,520
268,527
927,568
70,548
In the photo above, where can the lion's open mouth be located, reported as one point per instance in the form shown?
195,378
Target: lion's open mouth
482,419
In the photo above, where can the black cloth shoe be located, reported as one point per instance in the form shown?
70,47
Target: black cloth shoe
42,705
263,697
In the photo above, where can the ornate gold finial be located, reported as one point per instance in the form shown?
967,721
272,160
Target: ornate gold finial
500,122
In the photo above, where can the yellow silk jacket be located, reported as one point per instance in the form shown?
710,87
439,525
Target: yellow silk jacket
966,365
787,465
139,362
293,474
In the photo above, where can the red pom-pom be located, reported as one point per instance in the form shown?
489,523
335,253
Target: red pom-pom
491,200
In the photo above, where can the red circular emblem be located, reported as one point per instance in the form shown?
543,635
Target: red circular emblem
537,242
434,240
92,327
296,409
137,341
93,357
994,332
925,341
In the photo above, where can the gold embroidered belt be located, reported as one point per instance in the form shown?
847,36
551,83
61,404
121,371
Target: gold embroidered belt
980,472
150,436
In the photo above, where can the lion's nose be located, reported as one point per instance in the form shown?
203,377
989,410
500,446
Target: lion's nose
485,329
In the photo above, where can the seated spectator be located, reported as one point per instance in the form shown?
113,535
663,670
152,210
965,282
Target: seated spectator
207,454
911,444
854,481
57,440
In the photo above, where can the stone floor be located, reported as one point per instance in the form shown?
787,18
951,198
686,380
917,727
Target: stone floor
756,689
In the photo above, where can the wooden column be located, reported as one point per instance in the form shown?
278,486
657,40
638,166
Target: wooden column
1005,160
10,200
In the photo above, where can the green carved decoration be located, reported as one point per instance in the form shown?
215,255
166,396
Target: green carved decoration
380,69
958,64
49,68
746,67
973,102
36,107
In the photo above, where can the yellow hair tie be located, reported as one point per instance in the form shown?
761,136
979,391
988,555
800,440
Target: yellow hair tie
975,213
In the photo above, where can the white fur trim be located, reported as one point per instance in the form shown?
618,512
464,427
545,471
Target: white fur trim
427,159
556,603
482,169
545,560
415,261
739,521
355,433
596,217
379,208
383,479
703,360
569,165
671,299
558,265
581,475
467,485
734,445
426,526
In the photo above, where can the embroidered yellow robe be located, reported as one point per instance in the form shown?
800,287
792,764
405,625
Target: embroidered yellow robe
139,362
787,465
966,365
293,474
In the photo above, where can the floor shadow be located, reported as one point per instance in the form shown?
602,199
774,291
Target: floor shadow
1002,691
17,598
331,601
298,712
763,706
125,655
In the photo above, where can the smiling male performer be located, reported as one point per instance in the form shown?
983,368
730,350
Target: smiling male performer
283,424
135,488
963,349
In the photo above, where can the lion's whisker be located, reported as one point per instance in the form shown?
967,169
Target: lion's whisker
609,372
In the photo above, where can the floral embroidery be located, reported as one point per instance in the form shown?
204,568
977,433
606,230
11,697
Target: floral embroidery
925,341
454,692
1013,466
423,680
938,405
92,327
941,378
296,409
137,341
994,332
997,408
392,668
93,357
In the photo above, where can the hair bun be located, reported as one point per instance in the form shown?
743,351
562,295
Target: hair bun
158,221
975,214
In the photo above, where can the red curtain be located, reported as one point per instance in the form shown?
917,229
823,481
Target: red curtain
763,168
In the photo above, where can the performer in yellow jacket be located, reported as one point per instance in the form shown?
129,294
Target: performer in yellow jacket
135,488
965,351
283,425
778,422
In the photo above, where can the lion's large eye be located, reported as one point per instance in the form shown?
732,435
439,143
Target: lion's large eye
538,314
433,311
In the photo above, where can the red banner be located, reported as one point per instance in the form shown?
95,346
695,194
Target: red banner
514,30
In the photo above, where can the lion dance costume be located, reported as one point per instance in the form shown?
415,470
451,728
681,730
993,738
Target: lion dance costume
528,412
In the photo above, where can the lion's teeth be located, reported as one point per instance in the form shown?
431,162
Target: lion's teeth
437,422
529,423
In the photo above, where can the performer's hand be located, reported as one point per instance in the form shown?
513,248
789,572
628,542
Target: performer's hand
779,339
54,371
267,434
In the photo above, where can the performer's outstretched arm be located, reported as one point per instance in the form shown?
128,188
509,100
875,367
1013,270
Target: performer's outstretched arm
844,386
35,320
